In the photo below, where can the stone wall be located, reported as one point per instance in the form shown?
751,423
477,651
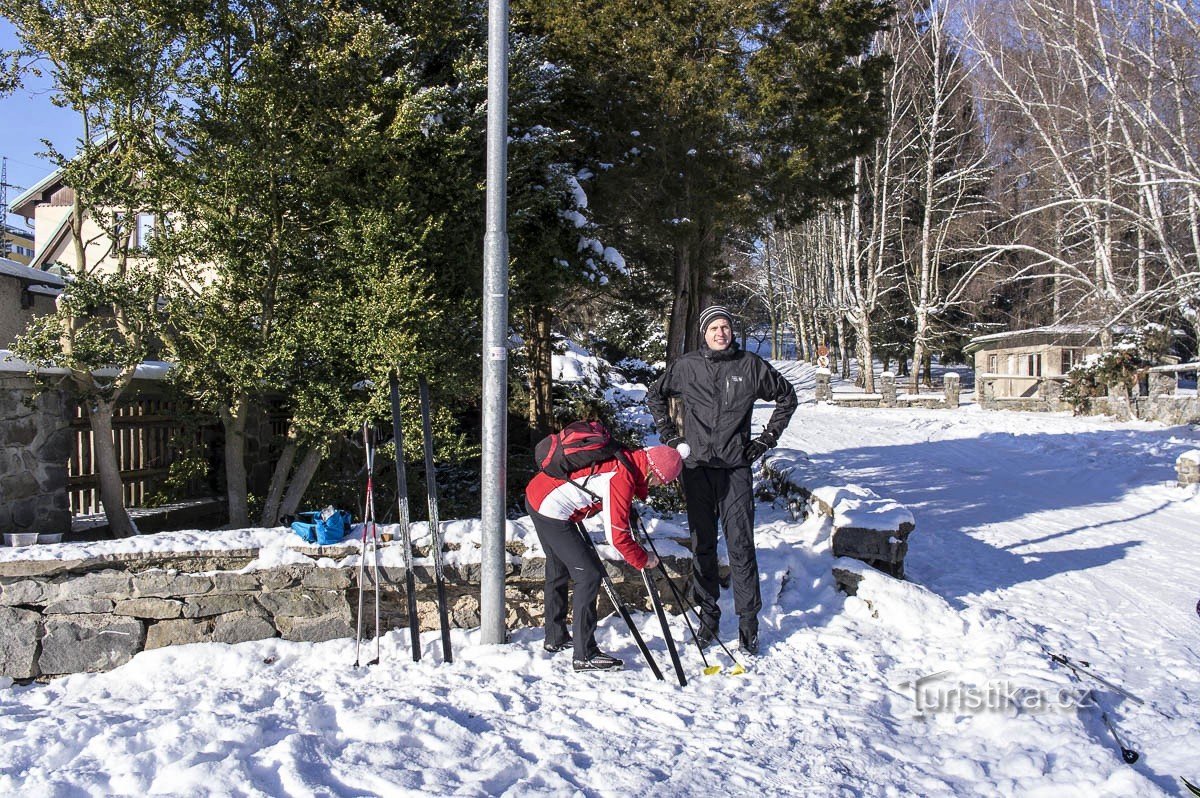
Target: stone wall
888,395
866,526
35,441
59,617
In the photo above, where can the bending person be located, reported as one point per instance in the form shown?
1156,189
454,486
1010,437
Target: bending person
607,488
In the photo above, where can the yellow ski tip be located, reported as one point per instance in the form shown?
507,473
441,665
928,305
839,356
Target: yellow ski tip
712,670
737,670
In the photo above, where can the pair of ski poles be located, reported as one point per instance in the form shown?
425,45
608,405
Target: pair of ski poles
660,612
369,578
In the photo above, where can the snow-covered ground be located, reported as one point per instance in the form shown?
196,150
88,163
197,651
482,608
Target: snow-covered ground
1032,531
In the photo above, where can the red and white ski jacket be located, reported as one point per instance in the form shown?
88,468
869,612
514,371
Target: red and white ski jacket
616,488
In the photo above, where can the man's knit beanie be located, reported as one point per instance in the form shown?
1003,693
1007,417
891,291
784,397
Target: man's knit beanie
665,462
711,314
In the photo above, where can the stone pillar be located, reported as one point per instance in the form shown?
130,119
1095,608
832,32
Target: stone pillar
952,384
35,440
824,392
1119,405
1187,468
887,388
1052,393
1162,383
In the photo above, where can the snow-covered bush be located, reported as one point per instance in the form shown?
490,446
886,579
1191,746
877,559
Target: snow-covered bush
1124,364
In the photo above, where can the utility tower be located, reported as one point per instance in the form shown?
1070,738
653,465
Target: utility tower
5,243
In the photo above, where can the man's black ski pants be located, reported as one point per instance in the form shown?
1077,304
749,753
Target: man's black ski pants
725,494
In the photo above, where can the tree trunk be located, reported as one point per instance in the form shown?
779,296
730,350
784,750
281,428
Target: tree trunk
541,373
301,479
270,514
841,339
233,419
919,348
108,470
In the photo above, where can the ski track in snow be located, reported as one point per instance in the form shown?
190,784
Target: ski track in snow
1032,530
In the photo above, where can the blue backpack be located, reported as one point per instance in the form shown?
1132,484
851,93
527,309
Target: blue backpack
324,528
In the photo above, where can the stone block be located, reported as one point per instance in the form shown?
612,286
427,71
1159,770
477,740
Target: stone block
326,578
302,602
80,606
20,631
220,604
155,608
533,569
240,627
26,591
233,582
161,584
279,578
330,626
464,614
177,632
100,584
847,581
85,643
21,431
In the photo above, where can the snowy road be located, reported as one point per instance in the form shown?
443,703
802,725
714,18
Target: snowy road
1031,530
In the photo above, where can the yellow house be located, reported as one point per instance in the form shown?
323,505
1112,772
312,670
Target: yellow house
16,244
48,207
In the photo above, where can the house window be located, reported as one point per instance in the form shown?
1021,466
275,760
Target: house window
1071,358
993,363
1034,365
145,229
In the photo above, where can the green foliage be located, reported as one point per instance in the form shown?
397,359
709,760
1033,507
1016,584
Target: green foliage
1123,364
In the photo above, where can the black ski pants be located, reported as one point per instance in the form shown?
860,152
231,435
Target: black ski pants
569,557
725,494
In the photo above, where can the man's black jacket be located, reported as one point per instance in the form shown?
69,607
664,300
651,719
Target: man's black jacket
718,391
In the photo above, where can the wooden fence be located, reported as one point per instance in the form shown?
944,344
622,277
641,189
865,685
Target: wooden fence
150,434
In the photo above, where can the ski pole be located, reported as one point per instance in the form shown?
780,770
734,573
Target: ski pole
709,670
738,667
1129,755
370,547
656,603
434,524
1083,667
619,605
410,581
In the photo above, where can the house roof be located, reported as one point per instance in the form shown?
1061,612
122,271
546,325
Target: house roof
10,268
1063,332
31,196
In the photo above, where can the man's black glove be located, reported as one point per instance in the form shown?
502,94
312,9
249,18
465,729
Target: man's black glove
757,448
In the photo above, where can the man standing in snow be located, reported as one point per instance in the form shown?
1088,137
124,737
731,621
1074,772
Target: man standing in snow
718,384
556,505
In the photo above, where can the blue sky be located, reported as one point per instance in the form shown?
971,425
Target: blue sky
27,117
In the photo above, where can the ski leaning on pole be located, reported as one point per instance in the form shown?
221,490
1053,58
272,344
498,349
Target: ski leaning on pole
410,581
619,605
368,578
434,527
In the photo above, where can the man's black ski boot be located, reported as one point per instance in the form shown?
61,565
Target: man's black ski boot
554,648
598,662
748,640
705,635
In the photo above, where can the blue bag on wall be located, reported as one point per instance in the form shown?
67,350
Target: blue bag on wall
323,528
